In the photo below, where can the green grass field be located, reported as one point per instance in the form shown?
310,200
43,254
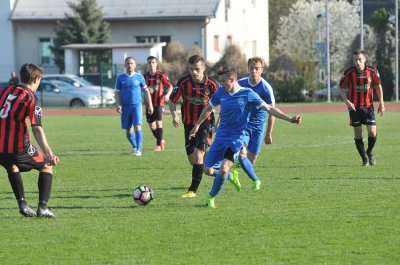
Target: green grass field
317,204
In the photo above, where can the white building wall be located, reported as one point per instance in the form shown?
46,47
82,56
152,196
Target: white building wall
7,51
247,26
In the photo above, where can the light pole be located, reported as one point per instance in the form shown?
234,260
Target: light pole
328,60
362,24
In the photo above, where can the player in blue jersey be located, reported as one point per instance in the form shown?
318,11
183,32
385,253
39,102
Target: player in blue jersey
235,105
128,97
257,122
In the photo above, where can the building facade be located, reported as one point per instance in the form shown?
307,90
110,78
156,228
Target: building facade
210,24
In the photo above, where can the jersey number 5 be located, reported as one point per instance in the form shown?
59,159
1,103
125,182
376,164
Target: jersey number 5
6,107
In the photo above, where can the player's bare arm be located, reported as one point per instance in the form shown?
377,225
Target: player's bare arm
118,101
280,114
350,106
270,126
175,117
150,108
379,94
203,116
41,139
169,92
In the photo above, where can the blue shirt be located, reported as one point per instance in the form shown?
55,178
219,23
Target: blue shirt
130,88
234,112
264,90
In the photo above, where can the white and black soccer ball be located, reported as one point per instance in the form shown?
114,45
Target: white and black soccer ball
143,195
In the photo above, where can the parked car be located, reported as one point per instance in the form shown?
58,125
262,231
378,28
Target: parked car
54,93
81,83
322,94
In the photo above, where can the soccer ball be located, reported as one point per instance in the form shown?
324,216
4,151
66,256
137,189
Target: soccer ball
143,195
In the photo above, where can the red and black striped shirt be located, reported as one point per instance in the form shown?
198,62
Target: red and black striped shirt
157,84
195,97
361,85
17,104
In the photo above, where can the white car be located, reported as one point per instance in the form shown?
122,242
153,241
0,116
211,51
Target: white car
81,83
54,93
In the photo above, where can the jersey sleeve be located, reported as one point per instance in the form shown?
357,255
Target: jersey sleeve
255,99
216,98
268,97
35,112
165,81
177,92
118,83
142,81
376,79
344,81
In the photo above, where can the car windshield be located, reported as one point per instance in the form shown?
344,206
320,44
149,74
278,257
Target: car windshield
84,81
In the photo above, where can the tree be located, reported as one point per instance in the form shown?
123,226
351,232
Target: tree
86,25
276,10
384,52
298,34
235,57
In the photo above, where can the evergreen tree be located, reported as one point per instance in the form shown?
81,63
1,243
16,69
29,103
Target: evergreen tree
380,22
85,25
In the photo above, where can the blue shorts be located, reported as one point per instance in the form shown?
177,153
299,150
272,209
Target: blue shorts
131,115
255,140
218,149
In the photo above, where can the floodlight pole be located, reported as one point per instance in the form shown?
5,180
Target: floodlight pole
396,10
328,60
361,24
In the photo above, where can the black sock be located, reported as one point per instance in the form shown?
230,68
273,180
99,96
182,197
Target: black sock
17,185
159,135
371,144
197,175
154,133
44,184
360,147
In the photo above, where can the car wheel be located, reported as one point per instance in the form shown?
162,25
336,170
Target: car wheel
77,103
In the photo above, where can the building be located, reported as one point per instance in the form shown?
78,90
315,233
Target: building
210,24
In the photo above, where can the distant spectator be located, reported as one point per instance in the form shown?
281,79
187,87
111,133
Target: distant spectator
14,79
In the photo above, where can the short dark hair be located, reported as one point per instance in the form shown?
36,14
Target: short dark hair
129,57
359,51
226,70
195,59
151,57
30,72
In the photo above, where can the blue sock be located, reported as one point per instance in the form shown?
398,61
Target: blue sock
248,167
132,139
139,139
218,184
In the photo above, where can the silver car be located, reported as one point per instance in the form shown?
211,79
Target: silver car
53,93
81,83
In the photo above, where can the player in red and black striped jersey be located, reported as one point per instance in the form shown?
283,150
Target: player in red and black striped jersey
160,90
195,89
361,80
17,154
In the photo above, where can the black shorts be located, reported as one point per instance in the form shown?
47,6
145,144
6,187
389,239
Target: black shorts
30,159
202,140
361,116
157,115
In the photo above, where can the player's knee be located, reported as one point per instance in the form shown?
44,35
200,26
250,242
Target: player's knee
208,171
47,168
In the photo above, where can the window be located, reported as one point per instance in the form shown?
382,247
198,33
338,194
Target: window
253,3
146,39
153,39
45,53
229,40
216,43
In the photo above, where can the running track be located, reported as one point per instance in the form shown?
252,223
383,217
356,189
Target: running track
300,108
